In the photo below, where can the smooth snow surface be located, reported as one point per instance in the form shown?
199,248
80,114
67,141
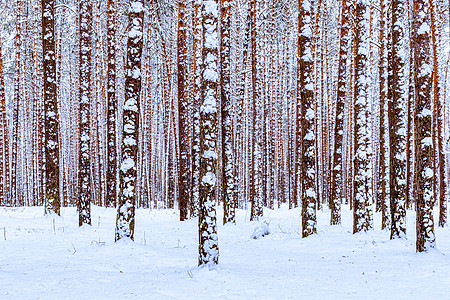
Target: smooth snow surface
68,262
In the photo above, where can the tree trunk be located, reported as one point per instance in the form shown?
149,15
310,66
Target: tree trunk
362,213
184,178
228,186
51,122
128,168
306,141
84,168
195,151
337,169
422,119
208,242
397,127
111,144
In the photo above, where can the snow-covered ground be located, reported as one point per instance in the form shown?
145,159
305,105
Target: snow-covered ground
52,258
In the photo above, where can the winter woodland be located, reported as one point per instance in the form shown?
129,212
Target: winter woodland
224,148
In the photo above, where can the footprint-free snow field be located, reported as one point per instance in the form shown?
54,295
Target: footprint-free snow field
46,257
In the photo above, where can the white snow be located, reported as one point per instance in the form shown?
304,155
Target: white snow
61,261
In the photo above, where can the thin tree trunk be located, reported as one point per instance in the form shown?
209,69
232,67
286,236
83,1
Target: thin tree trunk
111,144
228,186
184,178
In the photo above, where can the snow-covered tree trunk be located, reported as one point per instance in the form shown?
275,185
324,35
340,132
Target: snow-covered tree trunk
337,169
208,241
51,123
228,187
438,123
409,107
128,169
382,199
184,177
255,154
3,138
422,118
397,126
84,163
111,152
195,151
306,101
362,209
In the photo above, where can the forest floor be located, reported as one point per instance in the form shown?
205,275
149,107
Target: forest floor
52,258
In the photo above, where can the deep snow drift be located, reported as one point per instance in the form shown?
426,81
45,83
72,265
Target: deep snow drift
47,257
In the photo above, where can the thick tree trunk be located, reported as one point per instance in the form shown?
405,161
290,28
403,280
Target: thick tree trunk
362,213
208,242
51,123
255,132
306,141
397,127
337,169
195,151
128,168
85,60
423,121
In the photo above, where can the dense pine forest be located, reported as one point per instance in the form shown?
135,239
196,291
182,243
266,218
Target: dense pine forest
228,112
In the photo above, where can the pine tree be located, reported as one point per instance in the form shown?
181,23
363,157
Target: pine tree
255,154
422,120
306,158
337,170
382,203
128,168
184,177
84,168
196,90
111,177
208,241
438,122
362,210
51,123
3,137
228,188
397,127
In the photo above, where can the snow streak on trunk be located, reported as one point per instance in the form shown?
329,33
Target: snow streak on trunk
208,242
337,170
306,158
362,212
228,172
422,119
84,168
184,177
397,126
128,168
111,176
51,145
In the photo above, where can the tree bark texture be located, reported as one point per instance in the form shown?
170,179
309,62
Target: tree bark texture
128,167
